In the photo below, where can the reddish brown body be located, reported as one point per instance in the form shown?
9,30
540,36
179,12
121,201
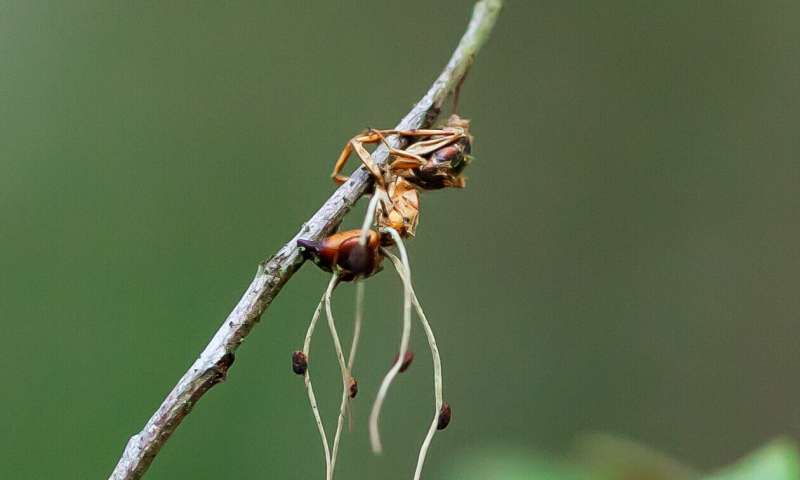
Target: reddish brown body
343,251
444,167
441,157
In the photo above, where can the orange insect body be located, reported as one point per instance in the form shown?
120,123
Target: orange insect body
344,251
403,213
434,160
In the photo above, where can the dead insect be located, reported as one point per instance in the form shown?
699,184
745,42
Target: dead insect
299,363
345,252
444,417
435,160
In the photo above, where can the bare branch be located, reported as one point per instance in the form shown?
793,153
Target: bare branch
213,364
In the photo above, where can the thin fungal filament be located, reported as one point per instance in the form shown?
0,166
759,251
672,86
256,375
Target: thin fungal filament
437,365
346,378
310,389
374,417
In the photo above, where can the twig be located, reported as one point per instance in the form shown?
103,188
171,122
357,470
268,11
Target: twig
212,366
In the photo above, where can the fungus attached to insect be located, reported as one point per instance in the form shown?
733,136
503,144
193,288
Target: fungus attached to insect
434,160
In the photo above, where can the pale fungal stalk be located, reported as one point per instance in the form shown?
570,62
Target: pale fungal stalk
437,363
369,218
374,417
359,314
343,407
337,436
359,318
346,368
307,377
345,373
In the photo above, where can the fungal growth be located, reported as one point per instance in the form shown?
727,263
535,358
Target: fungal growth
435,159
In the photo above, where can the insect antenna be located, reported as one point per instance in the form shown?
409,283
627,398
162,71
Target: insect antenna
374,431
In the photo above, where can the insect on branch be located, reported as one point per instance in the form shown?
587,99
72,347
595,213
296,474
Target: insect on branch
212,366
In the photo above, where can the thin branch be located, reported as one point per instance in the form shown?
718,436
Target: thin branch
212,366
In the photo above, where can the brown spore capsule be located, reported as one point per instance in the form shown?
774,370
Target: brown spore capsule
407,359
353,388
444,416
299,362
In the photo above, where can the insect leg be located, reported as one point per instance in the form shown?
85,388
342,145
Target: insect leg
403,159
345,155
366,159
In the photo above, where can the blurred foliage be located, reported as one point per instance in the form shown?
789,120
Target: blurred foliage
625,257
620,460
777,461
614,457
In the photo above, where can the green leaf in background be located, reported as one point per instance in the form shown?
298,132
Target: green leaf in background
778,460
619,458
608,457
503,464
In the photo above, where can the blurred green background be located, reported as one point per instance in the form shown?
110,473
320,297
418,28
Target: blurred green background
625,258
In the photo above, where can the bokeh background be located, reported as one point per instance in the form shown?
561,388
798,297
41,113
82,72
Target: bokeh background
625,258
